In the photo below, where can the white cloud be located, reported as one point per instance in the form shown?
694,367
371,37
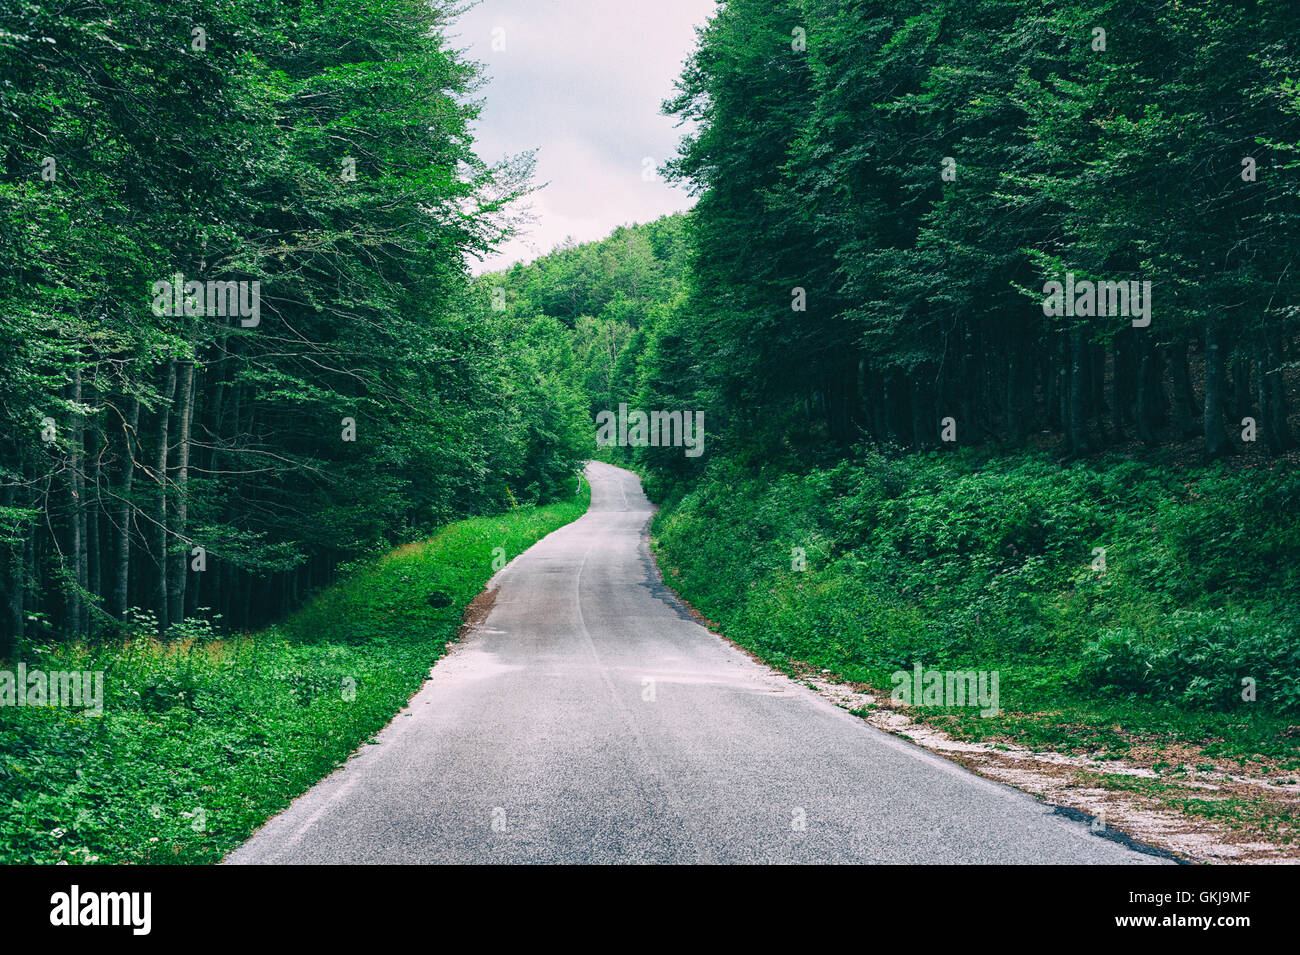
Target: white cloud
582,82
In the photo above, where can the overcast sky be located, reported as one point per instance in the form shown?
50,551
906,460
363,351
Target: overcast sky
581,81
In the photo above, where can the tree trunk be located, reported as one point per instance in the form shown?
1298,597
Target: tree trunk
125,512
924,424
1272,396
1184,395
94,505
179,571
1216,438
1076,415
1017,409
78,611
193,592
1150,396
13,576
1123,374
160,509
1097,387
1056,371
1240,383
897,405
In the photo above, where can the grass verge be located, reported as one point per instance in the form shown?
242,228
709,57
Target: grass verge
202,739
1138,612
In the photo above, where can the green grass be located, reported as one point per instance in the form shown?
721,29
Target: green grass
204,738
977,561
1279,819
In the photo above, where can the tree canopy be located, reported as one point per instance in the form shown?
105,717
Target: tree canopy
315,158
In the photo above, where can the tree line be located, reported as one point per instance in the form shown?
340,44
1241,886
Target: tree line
887,190
165,457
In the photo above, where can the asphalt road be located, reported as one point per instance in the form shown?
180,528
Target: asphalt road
589,719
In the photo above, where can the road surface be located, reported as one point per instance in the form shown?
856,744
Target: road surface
589,719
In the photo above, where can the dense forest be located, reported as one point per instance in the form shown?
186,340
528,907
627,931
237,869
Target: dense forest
610,299
886,190
237,341
989,308
885,194
916,448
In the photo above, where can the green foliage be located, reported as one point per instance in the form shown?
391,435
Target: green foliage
919,170
1206,661
202,739
323,150
610,296
618,278
988,563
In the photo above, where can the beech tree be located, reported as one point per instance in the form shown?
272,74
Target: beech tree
184,462
921,171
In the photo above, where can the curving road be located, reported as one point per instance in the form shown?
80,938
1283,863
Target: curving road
589,719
